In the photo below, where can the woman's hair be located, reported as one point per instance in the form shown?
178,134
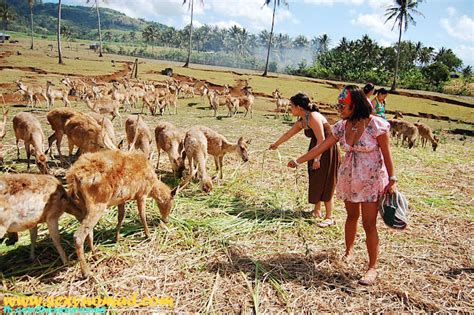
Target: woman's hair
302,100
369,87
381,91
359,103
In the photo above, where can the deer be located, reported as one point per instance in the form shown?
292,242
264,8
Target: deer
85,133
98,181
57,118
28,128
281,103
3,132
53,94
426,134
108,125
32,92
216,100
218,146
105,106
138,134
195,146
171,140
27,200
247,101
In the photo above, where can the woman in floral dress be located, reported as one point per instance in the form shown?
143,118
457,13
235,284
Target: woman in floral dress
366,172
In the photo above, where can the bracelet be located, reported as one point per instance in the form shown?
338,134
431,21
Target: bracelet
393,178
316,160
294,161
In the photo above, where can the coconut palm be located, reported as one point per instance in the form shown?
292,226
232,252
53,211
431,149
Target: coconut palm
30,4
6,13
190,8
400,12
98,24
60,52
275,4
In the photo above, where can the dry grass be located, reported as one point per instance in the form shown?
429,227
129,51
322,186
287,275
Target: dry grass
247,248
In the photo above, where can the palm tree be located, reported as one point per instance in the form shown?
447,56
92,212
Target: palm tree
66,32
98,24
6,13
191,8
400,12
275,4
31,3
60,52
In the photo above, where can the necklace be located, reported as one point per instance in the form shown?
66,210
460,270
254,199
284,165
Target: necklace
354,127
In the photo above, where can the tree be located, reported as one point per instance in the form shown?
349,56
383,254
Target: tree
30,4
150,34
300,42
190,8
7,14
133,36
448,58
275,4
321,43
98,24
436,73
426,55
108,36
400,12
66,32
60,52
467,73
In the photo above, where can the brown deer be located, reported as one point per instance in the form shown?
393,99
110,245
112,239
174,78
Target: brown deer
171,140
98,181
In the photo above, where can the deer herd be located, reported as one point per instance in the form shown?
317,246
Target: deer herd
104,173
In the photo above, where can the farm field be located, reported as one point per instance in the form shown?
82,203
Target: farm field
247,247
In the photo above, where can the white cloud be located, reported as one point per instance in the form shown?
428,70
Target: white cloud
376,24
225,24
451,11
380,4
461,28
384,43
332,2
466,53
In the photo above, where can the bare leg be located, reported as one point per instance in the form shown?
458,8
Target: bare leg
221,158
329,206
369,221
317,210
350,228
17,149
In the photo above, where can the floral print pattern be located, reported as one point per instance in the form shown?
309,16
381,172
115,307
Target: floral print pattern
362,176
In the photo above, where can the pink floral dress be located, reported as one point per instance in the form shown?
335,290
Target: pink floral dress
362,176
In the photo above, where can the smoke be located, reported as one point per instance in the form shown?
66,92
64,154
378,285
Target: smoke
284,57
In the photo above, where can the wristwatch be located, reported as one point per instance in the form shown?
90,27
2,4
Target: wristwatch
393,178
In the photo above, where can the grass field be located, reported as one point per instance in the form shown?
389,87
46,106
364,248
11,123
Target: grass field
247,247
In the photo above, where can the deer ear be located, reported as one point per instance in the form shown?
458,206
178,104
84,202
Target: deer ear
249,141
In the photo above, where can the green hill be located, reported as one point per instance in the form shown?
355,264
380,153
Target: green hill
81,19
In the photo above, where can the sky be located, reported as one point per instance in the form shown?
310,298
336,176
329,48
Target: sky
446,23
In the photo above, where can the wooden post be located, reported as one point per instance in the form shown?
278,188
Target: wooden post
133,71
136,67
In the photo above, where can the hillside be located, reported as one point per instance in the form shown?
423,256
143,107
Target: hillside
82,19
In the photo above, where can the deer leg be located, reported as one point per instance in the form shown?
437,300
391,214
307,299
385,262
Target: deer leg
17,149
28,155
120,216
33,236
221,159
159,153
54,232
87,225
141,204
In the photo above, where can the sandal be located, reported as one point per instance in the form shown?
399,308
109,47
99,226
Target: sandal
369,278
326,223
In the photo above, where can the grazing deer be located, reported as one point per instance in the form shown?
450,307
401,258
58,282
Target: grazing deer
28,129
426,134
27,200
138,134
57,118
195,145
171,140
98,181
218,146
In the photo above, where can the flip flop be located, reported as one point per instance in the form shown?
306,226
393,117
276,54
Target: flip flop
326,223
369,278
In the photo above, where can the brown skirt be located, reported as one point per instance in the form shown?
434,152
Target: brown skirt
322,182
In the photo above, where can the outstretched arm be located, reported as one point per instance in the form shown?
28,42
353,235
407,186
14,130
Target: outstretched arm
314,152
287,135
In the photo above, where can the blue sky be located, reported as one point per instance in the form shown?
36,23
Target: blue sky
447,23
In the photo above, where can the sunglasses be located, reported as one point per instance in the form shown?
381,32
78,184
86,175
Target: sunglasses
340,106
